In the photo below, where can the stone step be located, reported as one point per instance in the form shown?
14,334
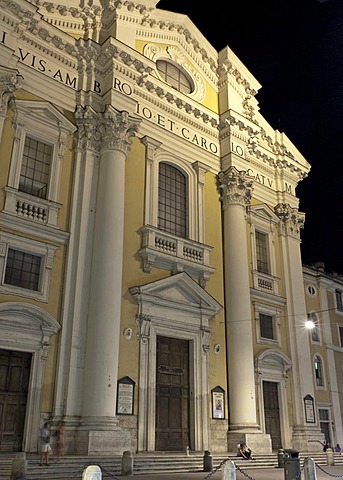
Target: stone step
73,466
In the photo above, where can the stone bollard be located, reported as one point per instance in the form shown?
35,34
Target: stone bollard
280,458
229,471
19,467
208,461
92,472
330,460
310,469
127,464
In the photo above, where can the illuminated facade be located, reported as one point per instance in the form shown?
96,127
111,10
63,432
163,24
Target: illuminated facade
152,292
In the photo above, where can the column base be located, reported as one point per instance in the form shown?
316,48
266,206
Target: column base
101,436
257,441
308,440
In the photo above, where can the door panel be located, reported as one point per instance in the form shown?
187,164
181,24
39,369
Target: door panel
272,413
172,394
14,384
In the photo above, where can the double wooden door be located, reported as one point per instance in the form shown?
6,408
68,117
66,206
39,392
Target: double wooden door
172,394
14,385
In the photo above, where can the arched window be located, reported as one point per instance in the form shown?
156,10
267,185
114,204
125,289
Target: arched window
174,76
312,317
318,370
172,201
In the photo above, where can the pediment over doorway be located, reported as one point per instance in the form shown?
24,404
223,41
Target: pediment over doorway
178,292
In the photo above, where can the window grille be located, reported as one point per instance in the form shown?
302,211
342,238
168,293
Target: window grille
22,269
174,76
266,326
172,201
35,169
262,252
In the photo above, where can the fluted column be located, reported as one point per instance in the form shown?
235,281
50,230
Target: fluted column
103,327
236,189
291,221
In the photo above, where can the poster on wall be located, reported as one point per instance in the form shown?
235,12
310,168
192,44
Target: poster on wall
309,409
125,396
218,404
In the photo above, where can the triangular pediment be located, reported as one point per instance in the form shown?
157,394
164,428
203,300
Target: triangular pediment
264,213
178,290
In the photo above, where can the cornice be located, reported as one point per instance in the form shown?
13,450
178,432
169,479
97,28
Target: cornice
175,101
171,36
169,26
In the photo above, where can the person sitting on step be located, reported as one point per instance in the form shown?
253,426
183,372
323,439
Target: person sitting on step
245,452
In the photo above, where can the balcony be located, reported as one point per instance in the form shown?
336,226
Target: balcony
265,282
31,208
164,250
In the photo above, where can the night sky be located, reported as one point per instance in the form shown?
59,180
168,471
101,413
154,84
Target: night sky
294,48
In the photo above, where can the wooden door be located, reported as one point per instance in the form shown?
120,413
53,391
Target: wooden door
14,385
172,394
272,413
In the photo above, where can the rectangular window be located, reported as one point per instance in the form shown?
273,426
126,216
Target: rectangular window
340,328
35,168
339,300
172,201
315,334
266,326
22,269
262,252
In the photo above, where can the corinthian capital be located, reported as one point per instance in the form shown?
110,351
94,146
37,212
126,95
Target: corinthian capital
103,131
10,80
292,221
117,128
235,187
87,128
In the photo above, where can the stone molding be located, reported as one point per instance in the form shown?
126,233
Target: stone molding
235,187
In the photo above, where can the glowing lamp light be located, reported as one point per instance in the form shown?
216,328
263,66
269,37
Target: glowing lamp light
309,324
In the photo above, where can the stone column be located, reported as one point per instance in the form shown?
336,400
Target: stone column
103,326
291,221
236,189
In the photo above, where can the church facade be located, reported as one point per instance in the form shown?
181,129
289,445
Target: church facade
152,293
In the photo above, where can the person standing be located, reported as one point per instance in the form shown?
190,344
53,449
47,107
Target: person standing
60,441
45,447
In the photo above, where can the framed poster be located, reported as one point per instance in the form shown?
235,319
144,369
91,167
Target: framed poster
309,409
218,403
125,396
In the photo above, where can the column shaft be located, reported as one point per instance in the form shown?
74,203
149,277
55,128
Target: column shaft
105,294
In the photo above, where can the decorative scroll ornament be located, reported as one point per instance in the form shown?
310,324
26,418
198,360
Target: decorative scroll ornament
292,221
206,333
144,324
235,187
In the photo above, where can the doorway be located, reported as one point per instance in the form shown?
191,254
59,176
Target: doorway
14,385
272,413
172,394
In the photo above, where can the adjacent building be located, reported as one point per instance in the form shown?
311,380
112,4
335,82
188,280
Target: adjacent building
152,293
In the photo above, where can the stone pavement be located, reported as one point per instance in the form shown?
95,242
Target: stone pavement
322,473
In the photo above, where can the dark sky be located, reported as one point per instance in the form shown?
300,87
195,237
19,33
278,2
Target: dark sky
294,48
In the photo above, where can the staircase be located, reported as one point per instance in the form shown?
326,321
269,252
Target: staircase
144,463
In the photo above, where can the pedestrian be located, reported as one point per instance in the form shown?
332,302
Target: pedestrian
59,441
45,447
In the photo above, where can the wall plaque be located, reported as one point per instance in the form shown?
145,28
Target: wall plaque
125,396
218,404
309,409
